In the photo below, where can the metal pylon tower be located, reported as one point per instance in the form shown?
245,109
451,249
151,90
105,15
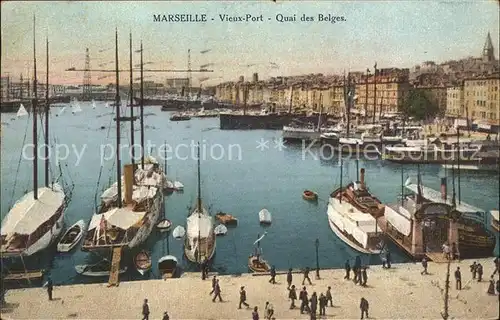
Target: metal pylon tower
87,86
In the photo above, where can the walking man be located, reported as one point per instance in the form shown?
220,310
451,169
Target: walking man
243,298
273,275
322,304
289,278
347,268
357,266
314,305
50,287
306,276
292,295
473,269
363,305
424,264
364,277
329,297
217,291
388,257
458,278
269,310
304,305
479,272
145,310
214,282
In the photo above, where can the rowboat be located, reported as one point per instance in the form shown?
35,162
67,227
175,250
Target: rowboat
101,269
142,262
226,218
310,195
256,264
265,216
179,232
220,230
167,266
164,225
71,237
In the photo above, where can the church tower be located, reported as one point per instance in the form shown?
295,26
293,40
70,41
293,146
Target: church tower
488,54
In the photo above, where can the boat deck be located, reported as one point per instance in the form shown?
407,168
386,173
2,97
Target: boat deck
115,267
382,222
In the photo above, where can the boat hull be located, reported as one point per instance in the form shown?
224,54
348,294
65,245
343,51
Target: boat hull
292,136
472,245
63,247
193,259
258,269
80,270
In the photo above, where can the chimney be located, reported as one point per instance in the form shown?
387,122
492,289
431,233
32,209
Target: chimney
362,177
443,188
128,172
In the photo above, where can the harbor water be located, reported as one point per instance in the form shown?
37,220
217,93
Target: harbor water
237,177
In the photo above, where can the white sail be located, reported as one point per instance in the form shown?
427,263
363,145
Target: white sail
93,104
261,237
22,111
76,107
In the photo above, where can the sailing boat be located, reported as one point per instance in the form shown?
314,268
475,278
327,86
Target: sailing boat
21,112
199,245
75,108
255,261
36,220
128,222
352,215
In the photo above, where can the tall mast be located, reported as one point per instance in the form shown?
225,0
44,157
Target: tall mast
340,199
47,111
142,111
199,181
458,163
453,199
132,142
366,95
35,119
117,103
402,186
374,91
348,103
419,188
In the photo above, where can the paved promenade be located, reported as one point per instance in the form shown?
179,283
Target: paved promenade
397,293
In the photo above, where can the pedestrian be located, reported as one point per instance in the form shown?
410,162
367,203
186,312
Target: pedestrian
479,272
364,277
273,275
473,269
214,282
455,254
496,263
388,258
357,266
304,305
458,278
203,270
322,304
165,316
306,276
446,251
424,264
314,305
289,278
243,298
363,305
491,287
329,297
347,268
292,295
145,310
217,291
269,310
255,313
50,287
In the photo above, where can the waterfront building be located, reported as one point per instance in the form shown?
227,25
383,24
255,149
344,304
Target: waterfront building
455,102
481,96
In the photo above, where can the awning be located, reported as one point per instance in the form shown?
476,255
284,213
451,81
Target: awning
123,218
401,223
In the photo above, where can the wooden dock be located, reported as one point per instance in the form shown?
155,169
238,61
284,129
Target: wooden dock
24,275
115,267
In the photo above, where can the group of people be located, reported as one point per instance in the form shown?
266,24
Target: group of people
145,312
451,253
477,270
360,275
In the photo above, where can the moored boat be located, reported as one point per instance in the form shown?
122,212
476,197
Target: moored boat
164,225
101,269
167,265
265,217
310,195
71,237
179,232
142,262
180,117
220,230
255,261
226,219
178,186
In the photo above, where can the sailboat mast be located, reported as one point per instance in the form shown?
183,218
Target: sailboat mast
117,102
199,181
348,103
357,169
340,199
458,163
142,111
132,142
47,110
402,186
419,189
34,111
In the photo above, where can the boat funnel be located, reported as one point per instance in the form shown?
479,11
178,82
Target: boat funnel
362,177
443,188
129,182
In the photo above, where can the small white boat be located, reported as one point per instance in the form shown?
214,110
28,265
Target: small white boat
167,266
178,186
220,230
71,237
21,112
179,232
169,186
101,269
265,216
164,225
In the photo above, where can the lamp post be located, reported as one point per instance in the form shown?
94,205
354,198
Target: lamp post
317,259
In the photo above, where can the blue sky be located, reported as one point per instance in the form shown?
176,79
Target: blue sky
393,33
